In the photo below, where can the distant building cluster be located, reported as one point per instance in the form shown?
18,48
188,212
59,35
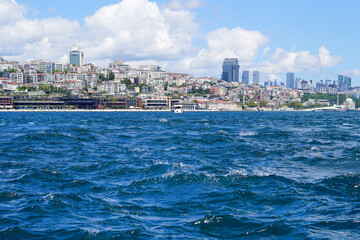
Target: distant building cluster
42,84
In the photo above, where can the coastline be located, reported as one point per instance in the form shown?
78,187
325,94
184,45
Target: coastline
104,110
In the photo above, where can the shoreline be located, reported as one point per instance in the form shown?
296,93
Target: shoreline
104,110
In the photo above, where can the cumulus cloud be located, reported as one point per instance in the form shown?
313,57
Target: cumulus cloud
11,11
138,29
184,4
225,43
24,38
284,61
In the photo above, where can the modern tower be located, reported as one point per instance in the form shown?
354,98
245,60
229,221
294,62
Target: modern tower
246,77
76,56
344,82
256,77
290,80
230,70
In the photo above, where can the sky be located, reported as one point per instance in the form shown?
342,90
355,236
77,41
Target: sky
316,40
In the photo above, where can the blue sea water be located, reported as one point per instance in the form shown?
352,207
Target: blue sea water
204,175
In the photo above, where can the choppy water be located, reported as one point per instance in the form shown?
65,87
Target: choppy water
179,176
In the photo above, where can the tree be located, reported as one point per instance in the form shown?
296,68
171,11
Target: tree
166,85
111,76
262,103
252,104
295,105
102,77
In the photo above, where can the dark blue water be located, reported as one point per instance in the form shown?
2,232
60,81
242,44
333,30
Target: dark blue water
180,176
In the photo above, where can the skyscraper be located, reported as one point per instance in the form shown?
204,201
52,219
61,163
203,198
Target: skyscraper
256,77
230,70
245,77
76,56
344,82
290,80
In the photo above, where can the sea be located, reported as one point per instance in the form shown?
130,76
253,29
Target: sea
195,175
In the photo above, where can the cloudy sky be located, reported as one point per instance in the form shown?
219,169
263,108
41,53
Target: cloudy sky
315,39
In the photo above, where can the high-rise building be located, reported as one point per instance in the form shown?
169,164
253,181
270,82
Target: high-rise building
245,77
298,83
230,70
290,83
344,82
76,57
256,77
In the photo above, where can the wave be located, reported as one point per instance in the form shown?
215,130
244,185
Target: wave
248,133
228,226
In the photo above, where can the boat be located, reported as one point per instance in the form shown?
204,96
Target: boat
177,109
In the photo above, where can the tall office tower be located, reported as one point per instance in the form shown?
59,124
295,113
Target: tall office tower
347,81
256,77
290,80
76,57
344,82
230,70
298,83
245,77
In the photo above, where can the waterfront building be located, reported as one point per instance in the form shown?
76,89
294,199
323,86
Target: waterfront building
290,80
245,77
256,77
230,70
76,56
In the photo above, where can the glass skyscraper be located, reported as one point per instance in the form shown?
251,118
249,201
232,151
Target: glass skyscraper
76,56
246,77
290,80
344,82
256,77
230,70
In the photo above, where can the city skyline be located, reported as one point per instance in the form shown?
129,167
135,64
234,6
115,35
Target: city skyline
195,35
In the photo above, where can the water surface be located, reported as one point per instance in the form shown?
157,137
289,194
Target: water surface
180,176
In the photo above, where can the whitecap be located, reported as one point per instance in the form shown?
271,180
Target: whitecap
163,120
48,196
221,132
315,149
250,133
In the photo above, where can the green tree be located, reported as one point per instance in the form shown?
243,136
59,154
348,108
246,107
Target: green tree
102,77
252,104
296,105
111,76
126,81
263,103
166,85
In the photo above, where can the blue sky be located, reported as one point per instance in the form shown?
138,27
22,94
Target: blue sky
296,26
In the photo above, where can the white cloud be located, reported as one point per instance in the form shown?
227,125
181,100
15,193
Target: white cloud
284,61
24,39
139,29
351,72
184,4
11,11
225,43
